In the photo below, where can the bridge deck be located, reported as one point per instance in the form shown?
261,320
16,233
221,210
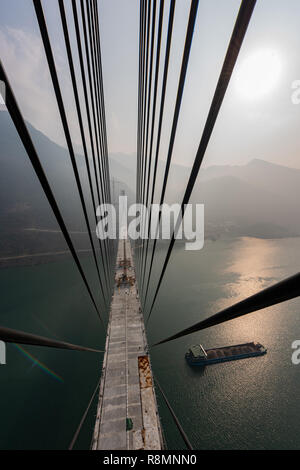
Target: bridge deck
126,389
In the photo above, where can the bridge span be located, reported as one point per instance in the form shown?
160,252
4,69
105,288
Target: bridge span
127,415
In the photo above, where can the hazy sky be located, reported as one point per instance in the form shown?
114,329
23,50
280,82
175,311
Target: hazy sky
257,120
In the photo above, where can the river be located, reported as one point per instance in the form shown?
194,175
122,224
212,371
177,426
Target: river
248,404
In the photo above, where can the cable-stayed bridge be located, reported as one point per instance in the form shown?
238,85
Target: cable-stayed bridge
127,414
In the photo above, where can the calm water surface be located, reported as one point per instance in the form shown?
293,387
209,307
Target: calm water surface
249,404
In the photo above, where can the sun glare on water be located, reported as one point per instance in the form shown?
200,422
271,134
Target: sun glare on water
258,74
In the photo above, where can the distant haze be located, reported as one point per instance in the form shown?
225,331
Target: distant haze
251,125
257,199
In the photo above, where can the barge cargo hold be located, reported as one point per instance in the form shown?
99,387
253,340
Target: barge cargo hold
198,356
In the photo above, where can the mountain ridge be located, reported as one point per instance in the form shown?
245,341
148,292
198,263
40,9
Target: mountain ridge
259,198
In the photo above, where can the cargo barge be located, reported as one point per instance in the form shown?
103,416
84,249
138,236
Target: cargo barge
198,356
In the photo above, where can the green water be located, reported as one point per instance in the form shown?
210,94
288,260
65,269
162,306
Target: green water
250,404
38,409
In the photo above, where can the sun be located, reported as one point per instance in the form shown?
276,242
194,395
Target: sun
258,74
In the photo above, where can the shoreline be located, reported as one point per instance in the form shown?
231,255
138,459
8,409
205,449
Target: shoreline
34,259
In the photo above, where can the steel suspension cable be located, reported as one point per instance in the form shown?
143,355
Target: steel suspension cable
176,420
148,160
161,114
282,291
78,108
147,19
84,83
100,104
95,28
141,91
192,18
146,89
148,83
25,137
97,101
94,21
183,71
96,15
158,49
21,337
140,153
144,86
240,28
104,127
100,126
84,416
139,99
87,107
58,94
89,119
139,117
88,54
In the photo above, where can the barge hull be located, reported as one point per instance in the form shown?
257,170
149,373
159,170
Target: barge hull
227,353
